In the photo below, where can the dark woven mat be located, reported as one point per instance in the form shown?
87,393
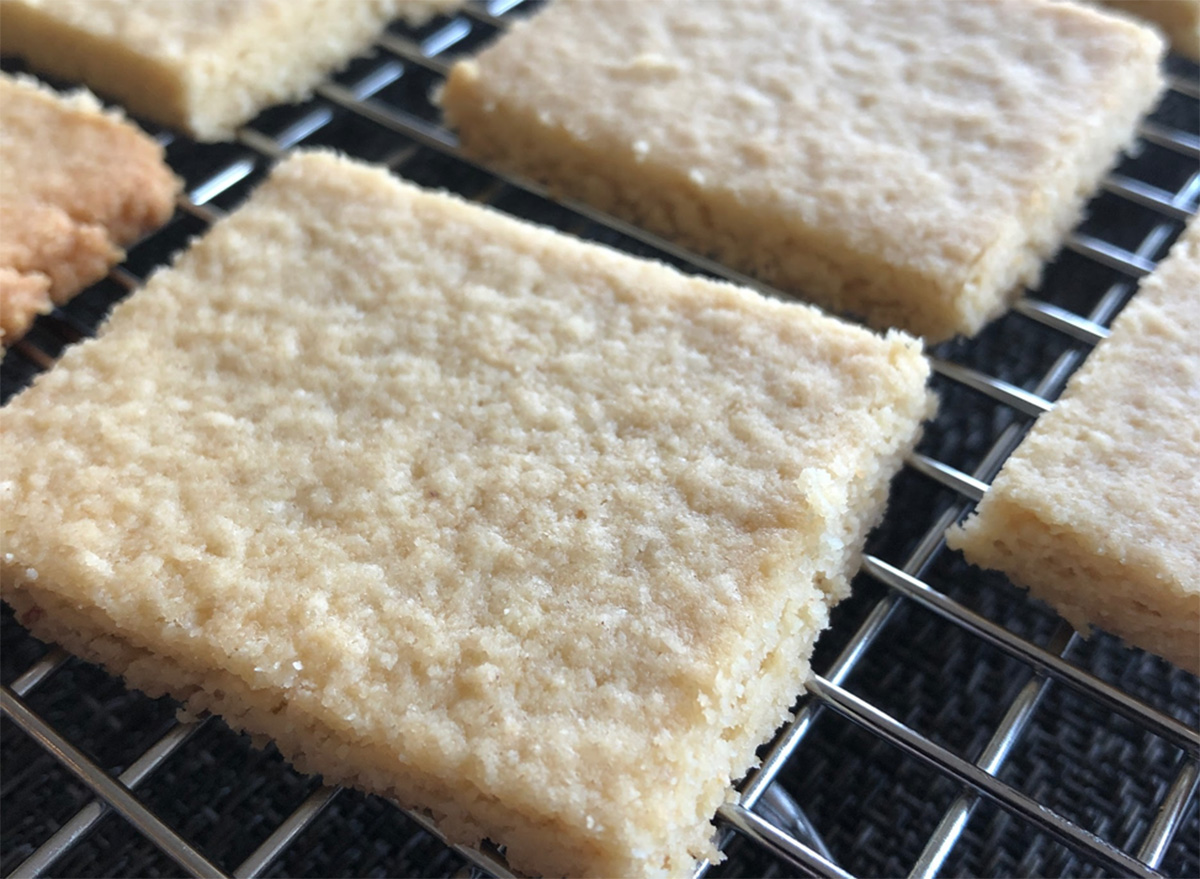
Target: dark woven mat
874,807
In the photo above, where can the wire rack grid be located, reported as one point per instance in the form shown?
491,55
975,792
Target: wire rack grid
995,769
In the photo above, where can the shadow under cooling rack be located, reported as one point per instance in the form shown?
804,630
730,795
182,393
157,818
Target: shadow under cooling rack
954,726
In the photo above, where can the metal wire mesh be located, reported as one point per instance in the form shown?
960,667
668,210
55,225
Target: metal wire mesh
955,727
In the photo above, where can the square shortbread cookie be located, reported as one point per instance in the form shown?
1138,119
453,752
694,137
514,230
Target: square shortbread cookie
513,528
912,162
76,184
1097,509
204,66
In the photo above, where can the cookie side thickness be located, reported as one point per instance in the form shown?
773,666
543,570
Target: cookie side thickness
1095,511
531,654
207,67
912,163
79,183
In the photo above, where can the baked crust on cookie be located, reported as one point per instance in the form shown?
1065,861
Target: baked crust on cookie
1096,510
77,183
204,67
525,532
914,163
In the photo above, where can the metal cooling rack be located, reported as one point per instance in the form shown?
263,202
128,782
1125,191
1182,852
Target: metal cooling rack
1033,676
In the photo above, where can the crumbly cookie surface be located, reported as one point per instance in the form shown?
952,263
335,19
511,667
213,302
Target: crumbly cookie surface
514,528
205,67
76,184
1096,510
910,162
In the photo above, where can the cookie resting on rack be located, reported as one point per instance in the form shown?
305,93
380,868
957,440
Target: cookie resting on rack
202,67
1097,509
910,162
76,184
516,529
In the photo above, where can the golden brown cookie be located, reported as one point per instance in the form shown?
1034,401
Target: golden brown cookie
1096,510
513,528
79,183
913,163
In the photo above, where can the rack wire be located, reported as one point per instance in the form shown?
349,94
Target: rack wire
1020,656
